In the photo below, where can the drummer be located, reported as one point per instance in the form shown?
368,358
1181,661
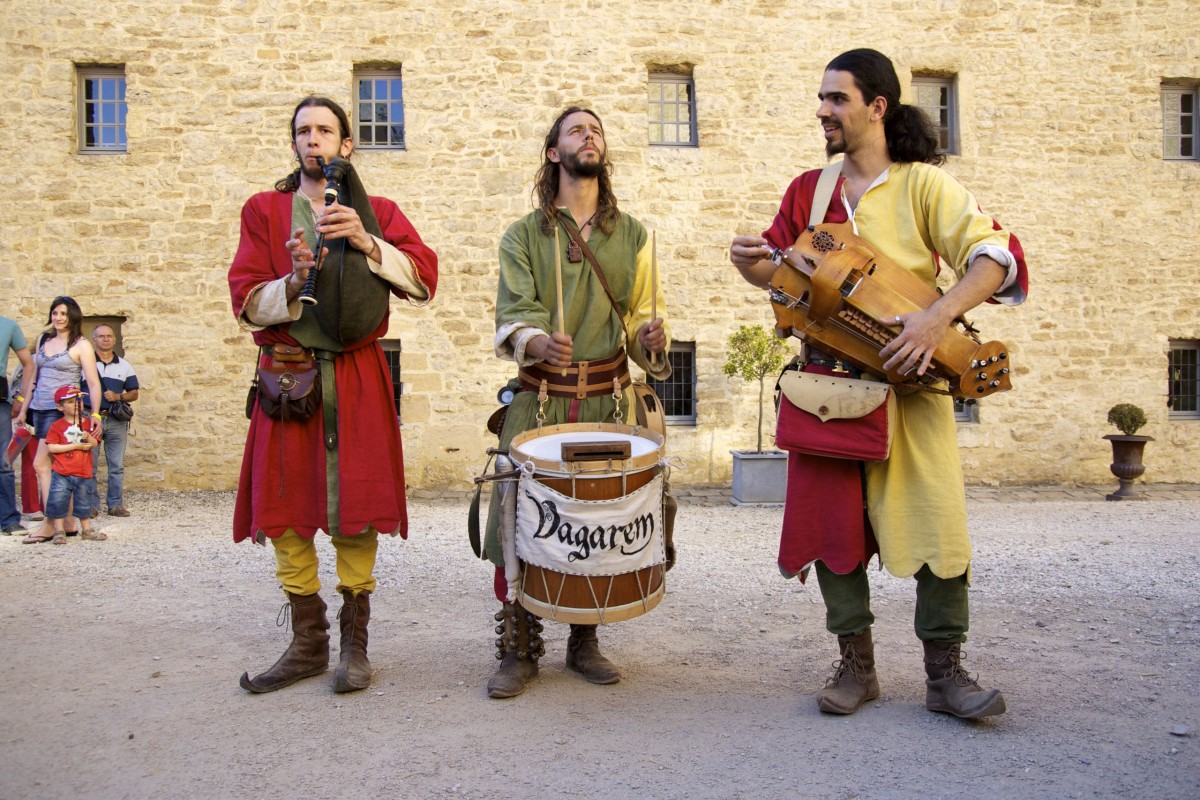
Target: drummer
601,325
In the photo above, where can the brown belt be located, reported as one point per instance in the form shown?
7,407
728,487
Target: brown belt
583,378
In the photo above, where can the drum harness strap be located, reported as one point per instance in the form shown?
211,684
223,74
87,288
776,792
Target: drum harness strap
620,380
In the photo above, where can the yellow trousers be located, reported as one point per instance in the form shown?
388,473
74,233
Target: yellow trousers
296,562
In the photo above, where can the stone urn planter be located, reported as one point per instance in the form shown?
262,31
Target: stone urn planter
1127,464
1127,449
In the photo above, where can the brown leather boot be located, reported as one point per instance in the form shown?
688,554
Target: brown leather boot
308,653
950,690
584,657
353,670
853,681
518,647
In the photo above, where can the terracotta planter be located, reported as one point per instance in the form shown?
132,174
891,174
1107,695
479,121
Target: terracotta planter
1127,464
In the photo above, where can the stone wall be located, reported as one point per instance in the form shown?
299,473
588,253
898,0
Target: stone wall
1060,135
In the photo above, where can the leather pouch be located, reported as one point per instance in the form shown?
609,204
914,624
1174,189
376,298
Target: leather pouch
826,415
289,386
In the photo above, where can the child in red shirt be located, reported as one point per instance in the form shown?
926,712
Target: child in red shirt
70,442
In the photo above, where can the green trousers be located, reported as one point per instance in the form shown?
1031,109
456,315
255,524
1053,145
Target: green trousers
942,614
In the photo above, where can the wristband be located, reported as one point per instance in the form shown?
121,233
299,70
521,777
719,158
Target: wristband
20,399
96,416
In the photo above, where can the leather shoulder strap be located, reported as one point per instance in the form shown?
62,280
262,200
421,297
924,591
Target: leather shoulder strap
824,193
587,253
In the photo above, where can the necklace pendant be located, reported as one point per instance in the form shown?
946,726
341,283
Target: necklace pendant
574,252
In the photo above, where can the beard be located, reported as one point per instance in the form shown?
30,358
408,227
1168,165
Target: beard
832,147
312,173
578,168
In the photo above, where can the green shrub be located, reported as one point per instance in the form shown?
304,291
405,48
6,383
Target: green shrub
755,353
1127,417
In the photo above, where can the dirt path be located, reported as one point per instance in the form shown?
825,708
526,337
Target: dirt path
122,659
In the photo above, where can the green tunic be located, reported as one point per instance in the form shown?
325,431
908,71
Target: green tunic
527,302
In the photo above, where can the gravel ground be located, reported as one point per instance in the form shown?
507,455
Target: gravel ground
122,659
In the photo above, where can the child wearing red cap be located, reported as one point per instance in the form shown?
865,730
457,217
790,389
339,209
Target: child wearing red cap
70,442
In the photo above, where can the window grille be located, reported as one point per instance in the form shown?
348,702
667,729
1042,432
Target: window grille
102,110
391,353
678,392
1181,137
1183,380
937,98
379,110
672,110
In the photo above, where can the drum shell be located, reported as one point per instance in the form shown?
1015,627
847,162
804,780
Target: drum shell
582,599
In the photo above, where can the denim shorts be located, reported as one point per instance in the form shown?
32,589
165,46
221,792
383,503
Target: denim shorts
42,420
62,489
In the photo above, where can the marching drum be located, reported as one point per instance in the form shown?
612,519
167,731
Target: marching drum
589,521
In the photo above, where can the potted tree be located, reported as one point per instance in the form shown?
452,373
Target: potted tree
1127,449
759,476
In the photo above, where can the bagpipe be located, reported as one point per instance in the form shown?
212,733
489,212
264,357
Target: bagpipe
346,297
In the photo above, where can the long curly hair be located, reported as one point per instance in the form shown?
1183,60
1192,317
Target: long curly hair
74,320
545,183
911,135
291,182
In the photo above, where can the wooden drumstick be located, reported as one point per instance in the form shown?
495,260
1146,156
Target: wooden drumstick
653,276
562,322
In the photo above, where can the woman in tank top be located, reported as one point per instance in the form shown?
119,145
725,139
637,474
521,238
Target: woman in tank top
63,355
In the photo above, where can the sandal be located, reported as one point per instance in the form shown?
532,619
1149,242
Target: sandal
59,538
93,536
36,538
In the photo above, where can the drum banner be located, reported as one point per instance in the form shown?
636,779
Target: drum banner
589,537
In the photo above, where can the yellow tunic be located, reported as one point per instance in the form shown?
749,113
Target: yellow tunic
915,499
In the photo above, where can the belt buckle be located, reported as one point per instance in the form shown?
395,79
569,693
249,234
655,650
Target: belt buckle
581,385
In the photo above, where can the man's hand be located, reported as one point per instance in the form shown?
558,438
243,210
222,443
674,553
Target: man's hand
342,222
302,262
653,337
923,330
555,350
748,254
746,251
913,349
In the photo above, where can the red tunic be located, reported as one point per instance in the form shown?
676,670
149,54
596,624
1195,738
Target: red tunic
282,483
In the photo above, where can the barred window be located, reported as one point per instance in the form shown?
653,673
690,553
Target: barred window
1183,380
102,110
937,98
391,353
1181,136
379,110
965,411
678,392
672,110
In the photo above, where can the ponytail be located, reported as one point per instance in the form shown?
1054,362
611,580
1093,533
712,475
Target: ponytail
911,136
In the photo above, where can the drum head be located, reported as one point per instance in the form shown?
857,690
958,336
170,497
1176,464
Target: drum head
544,448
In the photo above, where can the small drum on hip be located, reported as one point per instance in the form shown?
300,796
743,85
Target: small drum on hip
589,527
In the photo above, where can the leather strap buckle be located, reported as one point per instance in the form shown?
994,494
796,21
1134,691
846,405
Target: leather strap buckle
581,385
